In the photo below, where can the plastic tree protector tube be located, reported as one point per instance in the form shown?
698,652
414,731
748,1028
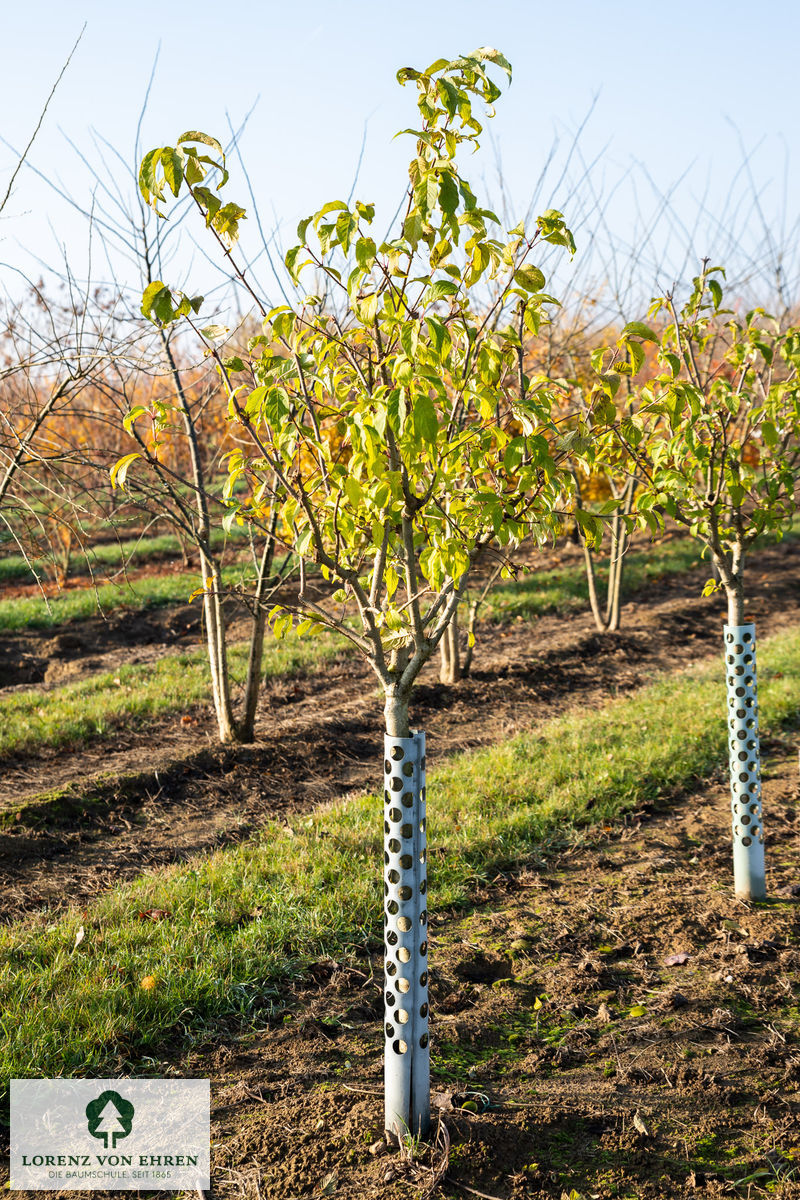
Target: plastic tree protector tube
407,1053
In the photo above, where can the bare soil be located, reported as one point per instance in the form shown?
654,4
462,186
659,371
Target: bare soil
158,794
51,657
610,1022
642,1074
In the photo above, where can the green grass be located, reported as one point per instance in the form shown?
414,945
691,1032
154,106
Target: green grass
98,706
95,707
111,555
248,919
152,591
565,589
559,590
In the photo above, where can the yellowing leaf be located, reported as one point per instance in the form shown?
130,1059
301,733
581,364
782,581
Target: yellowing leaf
120,469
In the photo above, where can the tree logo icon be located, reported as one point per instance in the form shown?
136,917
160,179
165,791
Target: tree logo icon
109,1116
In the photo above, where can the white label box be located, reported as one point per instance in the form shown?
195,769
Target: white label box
110,1134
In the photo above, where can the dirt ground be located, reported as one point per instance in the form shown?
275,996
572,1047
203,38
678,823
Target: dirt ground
159,793
663,1060
611,1022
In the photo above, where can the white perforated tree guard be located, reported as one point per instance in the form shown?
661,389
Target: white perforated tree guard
745,762
405,884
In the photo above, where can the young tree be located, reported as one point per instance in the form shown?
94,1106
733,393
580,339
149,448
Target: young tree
716,443
178,479
392,428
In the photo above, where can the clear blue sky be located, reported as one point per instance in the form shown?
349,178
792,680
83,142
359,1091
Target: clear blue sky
676,86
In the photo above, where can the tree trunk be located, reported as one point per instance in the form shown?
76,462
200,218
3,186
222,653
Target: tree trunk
247,725
395,712
608,620
217,650
212,598
449,649
619,549
734,591
406,1049
591,580
466,666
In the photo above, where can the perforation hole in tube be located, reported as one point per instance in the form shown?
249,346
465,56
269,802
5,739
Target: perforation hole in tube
745,770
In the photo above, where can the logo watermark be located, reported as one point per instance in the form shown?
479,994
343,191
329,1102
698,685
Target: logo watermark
110,1134
109,1116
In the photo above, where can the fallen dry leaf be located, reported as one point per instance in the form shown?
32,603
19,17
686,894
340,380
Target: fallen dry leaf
640,1125
154,914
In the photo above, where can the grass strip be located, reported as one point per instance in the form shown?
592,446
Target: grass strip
566,589
246,919
75,604
98,706
558,590
562,589
115,554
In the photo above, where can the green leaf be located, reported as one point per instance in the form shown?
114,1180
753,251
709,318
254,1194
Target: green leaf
204,138
426,423
234,364
636,351
172,165
215,333
489,54
640,330
353,491
291,262
440,338
208,201
448,193
365,252
148,180
133,416
366,309
331,206
426,193
530,278
412,229
157,303
276,407
226,222
442,288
